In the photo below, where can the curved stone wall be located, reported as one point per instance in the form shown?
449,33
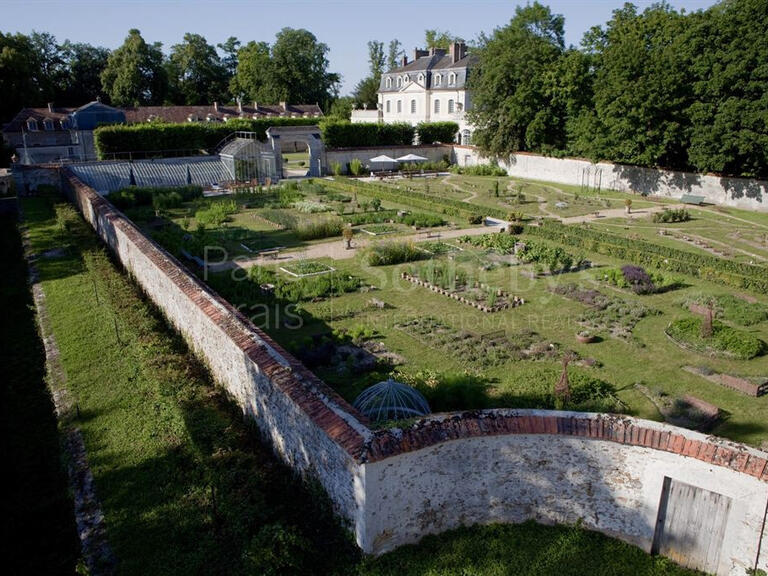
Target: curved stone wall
614,474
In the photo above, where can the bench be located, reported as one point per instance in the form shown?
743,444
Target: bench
691,199
274,253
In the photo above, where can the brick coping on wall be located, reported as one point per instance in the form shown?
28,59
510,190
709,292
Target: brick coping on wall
345,426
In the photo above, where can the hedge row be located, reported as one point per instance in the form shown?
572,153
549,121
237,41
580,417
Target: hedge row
344,134
163,136
133,196
431,132
727,272
447,206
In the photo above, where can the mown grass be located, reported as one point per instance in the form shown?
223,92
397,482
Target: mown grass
36,512
188,488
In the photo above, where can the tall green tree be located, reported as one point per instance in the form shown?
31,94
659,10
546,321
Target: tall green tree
84,64
642,89
50,70
230,48
512,108
439,39
729,114
19,84
196,74
394,51
135,74
294,69
366,91
255,79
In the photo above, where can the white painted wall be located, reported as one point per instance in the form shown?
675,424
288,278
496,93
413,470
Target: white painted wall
609,487
741,193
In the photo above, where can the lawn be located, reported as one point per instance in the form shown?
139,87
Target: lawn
38,524
187,487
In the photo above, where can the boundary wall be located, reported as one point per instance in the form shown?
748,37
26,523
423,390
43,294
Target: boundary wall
743,193
394,486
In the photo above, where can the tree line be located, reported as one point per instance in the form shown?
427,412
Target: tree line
36,69
659,88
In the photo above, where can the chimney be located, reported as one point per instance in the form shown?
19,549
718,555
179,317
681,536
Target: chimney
405,60
419,53
458,51
215,106
50,106
284,106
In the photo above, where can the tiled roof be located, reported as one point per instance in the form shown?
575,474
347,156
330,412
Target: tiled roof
39,114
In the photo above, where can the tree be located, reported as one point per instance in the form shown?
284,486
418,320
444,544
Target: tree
642,88
729,130
84,64
294,69
230,48
439,39
512,109
376,58
341,109
255,79
49,70
134,74
196,74
366,91
393,54
18,75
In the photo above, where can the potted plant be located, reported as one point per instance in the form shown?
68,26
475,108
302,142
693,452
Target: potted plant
585,337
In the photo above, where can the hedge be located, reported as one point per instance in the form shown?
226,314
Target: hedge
133,196
641,252
431,132
344,134
166,136
447,206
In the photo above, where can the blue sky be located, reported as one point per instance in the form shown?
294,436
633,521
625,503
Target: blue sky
345,26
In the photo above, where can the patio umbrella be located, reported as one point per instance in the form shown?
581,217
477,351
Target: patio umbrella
412,158
383,159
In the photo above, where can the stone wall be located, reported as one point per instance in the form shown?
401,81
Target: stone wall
434,152
310,426
395,486
741,193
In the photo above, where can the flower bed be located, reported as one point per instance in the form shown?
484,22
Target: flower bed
725,341
380,229
484,303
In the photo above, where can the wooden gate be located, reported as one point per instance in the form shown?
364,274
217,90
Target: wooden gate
690,525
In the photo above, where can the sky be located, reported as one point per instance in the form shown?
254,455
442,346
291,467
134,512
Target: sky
345,26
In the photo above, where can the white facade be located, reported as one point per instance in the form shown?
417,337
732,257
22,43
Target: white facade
431,88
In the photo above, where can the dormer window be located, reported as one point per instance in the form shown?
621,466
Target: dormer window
438,79
421,78
64,123
32,125
399,81
48,124
389,82
451,79
406,79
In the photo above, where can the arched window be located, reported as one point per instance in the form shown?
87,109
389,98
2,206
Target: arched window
32,125
388,107
437,106
452,79
389,82
421,78
438,79
406,79
450,106
413,106
399,106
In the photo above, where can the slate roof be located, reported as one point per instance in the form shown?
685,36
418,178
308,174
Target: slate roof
428,65
18,122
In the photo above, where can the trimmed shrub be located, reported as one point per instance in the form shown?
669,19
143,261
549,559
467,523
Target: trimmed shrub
479,170
344,134
676,215
165,137
431,132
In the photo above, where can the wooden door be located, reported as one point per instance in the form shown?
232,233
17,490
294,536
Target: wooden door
691,525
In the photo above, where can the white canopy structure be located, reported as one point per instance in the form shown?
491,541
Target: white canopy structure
383,159
412,158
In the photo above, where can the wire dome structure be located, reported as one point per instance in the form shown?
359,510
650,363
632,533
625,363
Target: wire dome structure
391,400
